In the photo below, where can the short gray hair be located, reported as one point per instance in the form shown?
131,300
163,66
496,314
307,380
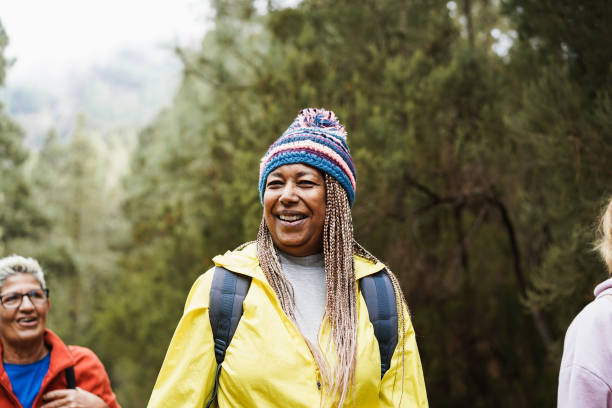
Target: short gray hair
15,264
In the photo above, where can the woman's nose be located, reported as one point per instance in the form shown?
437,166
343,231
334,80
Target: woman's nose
289,193
26,303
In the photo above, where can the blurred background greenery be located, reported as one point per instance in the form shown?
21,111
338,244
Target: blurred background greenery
481,135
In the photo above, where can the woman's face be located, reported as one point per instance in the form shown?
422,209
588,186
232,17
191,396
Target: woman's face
294,208
27,322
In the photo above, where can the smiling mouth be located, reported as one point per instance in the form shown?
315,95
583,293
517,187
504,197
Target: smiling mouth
27,320
291,217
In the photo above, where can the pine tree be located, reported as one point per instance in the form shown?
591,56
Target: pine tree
20,216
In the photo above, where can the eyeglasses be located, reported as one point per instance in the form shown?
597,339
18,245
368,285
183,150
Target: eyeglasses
13,300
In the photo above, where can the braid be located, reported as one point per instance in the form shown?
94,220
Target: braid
400,300
339,248
341,300
271,267
341,303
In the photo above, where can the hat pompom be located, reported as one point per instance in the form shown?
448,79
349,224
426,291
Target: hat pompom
320,118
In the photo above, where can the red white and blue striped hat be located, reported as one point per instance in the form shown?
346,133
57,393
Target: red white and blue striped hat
315,138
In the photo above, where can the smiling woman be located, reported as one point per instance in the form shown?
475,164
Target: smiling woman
37,368
305,338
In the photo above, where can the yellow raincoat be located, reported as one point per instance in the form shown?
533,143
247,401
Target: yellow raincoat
268,363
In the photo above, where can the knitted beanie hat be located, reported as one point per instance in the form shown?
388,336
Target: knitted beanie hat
315,138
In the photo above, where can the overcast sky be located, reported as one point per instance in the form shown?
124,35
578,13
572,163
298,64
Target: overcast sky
55,37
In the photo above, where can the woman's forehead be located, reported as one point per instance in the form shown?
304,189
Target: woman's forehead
19,280
295,169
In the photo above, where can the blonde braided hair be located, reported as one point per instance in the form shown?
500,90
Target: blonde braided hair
339,249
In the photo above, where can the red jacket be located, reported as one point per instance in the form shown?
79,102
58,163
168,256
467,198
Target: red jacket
88,370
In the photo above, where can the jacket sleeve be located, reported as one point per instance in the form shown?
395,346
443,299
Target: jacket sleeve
403,384
187,374
91,376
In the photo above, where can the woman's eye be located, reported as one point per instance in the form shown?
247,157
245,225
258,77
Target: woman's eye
37,294
274,183
306,183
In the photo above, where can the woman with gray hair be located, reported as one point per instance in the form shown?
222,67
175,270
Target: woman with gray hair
37,368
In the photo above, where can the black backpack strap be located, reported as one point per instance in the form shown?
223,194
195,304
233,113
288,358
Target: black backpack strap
379,295
70,378
227,293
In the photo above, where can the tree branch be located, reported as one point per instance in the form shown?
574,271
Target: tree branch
538,318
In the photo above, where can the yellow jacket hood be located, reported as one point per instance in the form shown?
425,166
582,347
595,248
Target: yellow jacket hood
245,261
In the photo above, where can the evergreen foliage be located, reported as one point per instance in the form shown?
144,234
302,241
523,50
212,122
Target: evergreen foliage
19,216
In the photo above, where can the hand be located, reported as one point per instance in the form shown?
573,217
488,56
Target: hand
77,398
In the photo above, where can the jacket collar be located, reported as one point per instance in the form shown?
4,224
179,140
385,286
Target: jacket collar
61,358
245,262
604,288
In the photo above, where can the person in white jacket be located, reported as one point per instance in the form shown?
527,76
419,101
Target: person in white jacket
585,377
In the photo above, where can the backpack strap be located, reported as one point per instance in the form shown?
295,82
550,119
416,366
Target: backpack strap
227,293
379,295
70,378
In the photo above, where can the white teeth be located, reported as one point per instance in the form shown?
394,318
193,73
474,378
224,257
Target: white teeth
291,218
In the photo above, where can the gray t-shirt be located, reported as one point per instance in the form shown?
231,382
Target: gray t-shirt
307,275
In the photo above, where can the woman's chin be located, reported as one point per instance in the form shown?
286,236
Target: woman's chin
31,333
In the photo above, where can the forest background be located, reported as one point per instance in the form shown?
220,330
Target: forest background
481,172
